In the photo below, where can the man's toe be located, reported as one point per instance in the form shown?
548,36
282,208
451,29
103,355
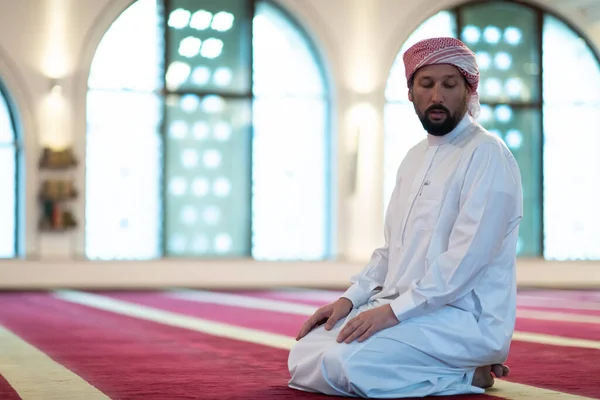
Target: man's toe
498,370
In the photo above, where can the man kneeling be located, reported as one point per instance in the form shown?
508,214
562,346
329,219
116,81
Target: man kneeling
433,312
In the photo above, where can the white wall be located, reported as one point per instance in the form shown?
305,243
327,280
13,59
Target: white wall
359,39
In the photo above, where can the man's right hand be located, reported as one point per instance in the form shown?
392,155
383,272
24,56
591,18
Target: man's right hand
330,314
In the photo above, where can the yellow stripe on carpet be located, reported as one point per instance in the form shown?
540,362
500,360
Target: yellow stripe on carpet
35,376
177,320
556,340
503,389
558,316
517,391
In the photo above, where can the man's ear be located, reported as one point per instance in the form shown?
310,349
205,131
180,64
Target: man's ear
410,95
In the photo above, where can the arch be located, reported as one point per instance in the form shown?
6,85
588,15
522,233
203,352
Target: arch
20,104
99,26
318,33
108,14
569,166
291,105
205,118
526,117
314,31
428,8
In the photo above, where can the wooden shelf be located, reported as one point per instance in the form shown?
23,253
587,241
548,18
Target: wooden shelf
55,193
57,160
46,195
56,230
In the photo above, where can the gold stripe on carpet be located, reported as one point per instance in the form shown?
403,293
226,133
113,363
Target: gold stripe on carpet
35,376
558,316
517,391
177,320
556,340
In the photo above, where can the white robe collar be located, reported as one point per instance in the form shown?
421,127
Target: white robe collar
458,129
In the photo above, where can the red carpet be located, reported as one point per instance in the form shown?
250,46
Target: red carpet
6,391
569,329
269,321
130,358
526,359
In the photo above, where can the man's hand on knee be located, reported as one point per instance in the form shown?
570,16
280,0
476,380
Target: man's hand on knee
330,314
367,323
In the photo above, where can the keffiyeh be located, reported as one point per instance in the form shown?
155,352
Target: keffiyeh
445,50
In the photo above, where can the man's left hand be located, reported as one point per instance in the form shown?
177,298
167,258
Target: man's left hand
367,323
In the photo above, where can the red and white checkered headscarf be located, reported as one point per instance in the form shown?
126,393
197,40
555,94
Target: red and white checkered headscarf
445,50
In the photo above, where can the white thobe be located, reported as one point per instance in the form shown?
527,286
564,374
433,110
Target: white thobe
447,269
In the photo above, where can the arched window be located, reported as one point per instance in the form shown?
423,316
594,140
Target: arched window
540,83
208,135
9,179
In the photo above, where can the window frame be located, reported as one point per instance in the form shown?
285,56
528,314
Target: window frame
17,147
540,12
163,7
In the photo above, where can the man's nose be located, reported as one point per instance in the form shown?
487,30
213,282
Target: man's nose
436,95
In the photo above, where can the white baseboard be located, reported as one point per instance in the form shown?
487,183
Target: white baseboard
19,274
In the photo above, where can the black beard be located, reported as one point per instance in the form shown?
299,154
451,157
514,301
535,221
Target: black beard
439,128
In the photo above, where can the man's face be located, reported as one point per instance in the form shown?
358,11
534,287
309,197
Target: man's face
440,96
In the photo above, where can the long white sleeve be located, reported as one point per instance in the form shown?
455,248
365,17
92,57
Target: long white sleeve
490,194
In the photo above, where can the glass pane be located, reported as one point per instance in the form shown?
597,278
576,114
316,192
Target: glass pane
571,165
290,179
123,171
7,132
566,52
209,46
403,130
520,130
504,37
291,143
571,195
130,55
284,62
208,176
441,24
7,201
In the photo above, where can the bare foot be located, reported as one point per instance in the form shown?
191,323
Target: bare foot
483,375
